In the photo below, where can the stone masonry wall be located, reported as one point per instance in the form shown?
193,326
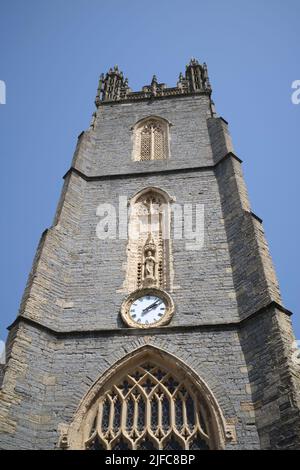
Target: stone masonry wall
267,342
254,277
107,149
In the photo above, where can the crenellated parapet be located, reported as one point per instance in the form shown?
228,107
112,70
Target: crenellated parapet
114,87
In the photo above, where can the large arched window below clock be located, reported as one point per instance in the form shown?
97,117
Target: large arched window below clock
150,402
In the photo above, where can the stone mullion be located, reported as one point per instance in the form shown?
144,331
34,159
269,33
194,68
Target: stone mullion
161,137
159,413
155,137
152,136
99,419
172,414
166,142
111,417
135,414
123,416
185,424
140,148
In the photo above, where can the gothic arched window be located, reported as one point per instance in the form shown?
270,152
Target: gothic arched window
150,408
151,139
147,400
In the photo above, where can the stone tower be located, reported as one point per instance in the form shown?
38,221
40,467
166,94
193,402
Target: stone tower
152,316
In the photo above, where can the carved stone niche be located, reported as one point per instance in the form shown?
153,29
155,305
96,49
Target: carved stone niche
149,249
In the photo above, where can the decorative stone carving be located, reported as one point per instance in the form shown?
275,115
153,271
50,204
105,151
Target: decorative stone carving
114,87
230,433
149,259
63,442
150,263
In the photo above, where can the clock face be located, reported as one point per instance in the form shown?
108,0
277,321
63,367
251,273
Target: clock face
147,309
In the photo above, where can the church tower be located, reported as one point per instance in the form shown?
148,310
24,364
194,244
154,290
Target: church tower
152,317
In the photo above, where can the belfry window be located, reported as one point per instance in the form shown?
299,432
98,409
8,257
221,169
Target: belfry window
150,408
151,140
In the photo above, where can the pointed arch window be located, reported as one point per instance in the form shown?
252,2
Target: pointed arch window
151,139
148,400
150,408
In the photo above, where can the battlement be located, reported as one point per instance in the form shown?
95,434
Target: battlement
114,87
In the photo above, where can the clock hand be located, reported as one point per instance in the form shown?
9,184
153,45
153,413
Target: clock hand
150,307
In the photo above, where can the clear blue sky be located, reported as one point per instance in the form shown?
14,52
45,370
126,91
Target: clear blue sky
52,53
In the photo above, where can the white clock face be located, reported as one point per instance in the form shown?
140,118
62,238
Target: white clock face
147,309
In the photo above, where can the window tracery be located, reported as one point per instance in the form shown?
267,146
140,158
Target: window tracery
143,387
151,140
150,408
